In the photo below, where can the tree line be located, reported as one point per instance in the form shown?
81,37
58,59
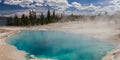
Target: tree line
33,19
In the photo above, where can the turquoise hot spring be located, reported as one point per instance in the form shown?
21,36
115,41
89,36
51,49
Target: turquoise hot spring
59,45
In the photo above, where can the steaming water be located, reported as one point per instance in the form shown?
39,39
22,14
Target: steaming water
60,45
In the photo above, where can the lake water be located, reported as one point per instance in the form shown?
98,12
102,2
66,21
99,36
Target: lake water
60,45
3,22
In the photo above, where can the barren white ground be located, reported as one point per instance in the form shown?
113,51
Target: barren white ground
98,29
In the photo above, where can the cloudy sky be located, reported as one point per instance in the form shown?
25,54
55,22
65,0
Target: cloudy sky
76,6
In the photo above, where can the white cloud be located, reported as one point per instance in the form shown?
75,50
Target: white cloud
57,4
80,7
113,5
39,1
76,5
0,0
25,3
38,4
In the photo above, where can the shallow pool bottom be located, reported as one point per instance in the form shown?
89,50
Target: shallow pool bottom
60,45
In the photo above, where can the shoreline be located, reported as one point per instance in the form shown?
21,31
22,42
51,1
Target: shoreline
12,49
114,54
98,31
9,52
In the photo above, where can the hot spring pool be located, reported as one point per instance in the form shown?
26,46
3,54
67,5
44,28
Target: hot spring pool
60,45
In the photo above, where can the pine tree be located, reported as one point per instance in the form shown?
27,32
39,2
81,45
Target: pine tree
48,17
9,21
42,22
16,20
61,16
23,20
53,17
34,18
26,20
54,14
31,18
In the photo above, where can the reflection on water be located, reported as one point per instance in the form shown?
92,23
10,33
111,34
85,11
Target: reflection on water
60,45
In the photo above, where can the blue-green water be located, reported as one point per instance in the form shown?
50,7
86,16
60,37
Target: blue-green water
60,45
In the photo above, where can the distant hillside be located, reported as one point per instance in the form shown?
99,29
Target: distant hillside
3,18
3,21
